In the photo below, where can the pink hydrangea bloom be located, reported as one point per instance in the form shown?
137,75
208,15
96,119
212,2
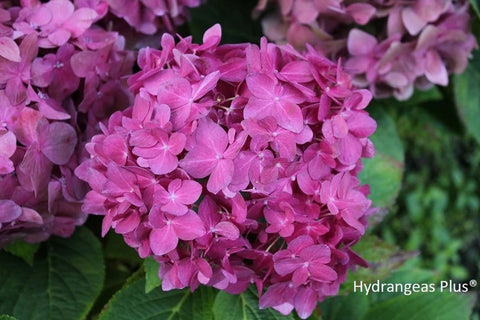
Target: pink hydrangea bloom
236,165
54,67
418,43
146,17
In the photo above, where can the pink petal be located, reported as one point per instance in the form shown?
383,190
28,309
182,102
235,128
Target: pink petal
34,170
207,84
59,37
8,143
80,21
289,116
361,12
58,142
189,226
175,93
227,229
115,148
305,302
261,85
9,49
221,176
128,224
350,150
360,43
322,273
176,142
189,192
412,22
163,240
435,69
199,162
9,211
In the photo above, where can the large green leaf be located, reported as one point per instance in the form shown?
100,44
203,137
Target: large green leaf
152,280
382,257
243,307
7,317
384,172
349,307
63,282
467,96
420,306
23,250
133,303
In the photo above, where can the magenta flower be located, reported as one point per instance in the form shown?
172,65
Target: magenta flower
168,229
45,118
236,165
179,195
211,156
393,61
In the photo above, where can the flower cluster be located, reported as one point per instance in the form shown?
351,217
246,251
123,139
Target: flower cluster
59,75
236,165
408,43
145,16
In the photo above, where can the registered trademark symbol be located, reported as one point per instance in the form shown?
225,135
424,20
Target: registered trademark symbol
473,283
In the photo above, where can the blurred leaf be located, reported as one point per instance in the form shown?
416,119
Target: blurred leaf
132,302
243,306
151,274
116,248
350,307
467,96
382,257
23,250
62,284
384,172
476,6
235,17
419,306
6,317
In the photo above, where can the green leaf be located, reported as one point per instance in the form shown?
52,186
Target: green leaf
235,17
133,303
6,317
243,307
350,307
467,96
384,172
151,274
476,6
23,250
382,257
419,306
117,249
62,284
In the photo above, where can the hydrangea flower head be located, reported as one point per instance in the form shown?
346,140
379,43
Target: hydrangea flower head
52,82
409,43
236,165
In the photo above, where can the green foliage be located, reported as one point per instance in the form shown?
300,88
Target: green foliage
151,274
243,307
235,18
349,307
23,250
131,302
384,172
382,257
467,96
62,283
6,317
476,6
420,306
